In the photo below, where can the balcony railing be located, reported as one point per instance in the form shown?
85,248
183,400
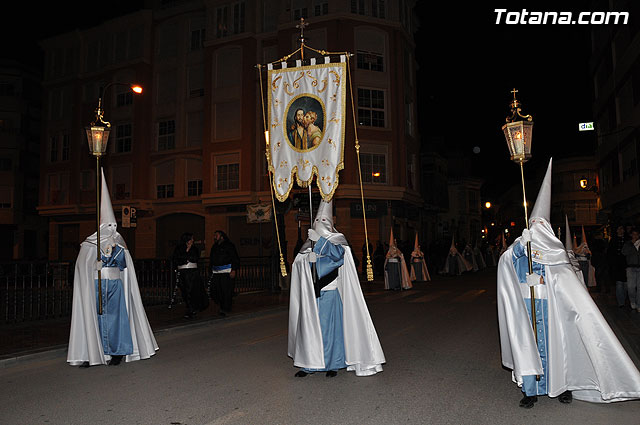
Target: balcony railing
44,290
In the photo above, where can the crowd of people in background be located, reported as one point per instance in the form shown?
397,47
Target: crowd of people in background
609,266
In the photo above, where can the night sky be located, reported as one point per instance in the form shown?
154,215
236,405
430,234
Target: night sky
468,66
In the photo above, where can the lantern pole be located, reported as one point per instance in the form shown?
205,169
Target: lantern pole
520,155
98,137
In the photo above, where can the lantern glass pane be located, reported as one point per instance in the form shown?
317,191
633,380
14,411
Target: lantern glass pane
98,138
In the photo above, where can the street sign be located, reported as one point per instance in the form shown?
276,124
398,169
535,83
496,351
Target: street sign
126,216
133,219
586,126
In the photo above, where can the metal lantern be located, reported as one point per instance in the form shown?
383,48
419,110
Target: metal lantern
518,131
518,135
98,133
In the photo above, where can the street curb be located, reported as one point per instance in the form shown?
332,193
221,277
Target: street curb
57,351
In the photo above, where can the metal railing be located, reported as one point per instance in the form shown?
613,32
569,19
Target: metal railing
44,289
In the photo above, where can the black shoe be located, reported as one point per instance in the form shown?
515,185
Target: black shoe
115,360
566,397
528,402
84,365
301,374
331,373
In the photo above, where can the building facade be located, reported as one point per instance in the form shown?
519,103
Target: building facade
188,154
615,71
23,230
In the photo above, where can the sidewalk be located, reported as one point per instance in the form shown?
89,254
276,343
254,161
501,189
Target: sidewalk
28,338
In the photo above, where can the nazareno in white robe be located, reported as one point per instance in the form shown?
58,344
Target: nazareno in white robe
584,355
85,344
363,352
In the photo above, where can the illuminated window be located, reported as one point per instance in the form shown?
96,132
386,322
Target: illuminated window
373,167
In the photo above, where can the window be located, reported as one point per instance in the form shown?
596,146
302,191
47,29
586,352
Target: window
373,167
227,172
230,19
299,9
197,39
53,149
320,7
123,138
124,98
164,191
228,176
357,6
371,107
166,135
370,61
377,9
65,147
194,188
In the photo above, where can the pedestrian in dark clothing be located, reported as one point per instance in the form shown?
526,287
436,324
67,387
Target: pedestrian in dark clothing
185,258
224,264
618,265
378,260
631,252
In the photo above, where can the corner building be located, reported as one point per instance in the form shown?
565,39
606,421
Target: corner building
188,153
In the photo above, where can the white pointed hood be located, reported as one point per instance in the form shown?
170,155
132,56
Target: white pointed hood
393,249
542,208
546,248
106,209
568,243
323,224
108,224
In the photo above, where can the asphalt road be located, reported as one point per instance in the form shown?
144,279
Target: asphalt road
443,367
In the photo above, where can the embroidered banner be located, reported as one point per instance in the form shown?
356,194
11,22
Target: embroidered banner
306,125
258,213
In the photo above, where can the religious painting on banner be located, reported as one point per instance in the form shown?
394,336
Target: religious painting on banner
306,125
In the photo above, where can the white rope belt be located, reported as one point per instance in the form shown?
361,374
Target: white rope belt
188,266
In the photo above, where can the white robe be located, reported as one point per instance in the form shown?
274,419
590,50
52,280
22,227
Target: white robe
584,355
85,344
363,352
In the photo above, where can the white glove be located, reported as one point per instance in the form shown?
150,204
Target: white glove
313,235
534,279
99,265
526,237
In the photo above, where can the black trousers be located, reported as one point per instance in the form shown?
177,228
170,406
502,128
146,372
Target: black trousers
222,290
193,292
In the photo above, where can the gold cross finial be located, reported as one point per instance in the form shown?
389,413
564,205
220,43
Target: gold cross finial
302,25
514,91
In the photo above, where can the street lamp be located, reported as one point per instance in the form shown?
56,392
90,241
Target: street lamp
518,131
98,137
487,205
